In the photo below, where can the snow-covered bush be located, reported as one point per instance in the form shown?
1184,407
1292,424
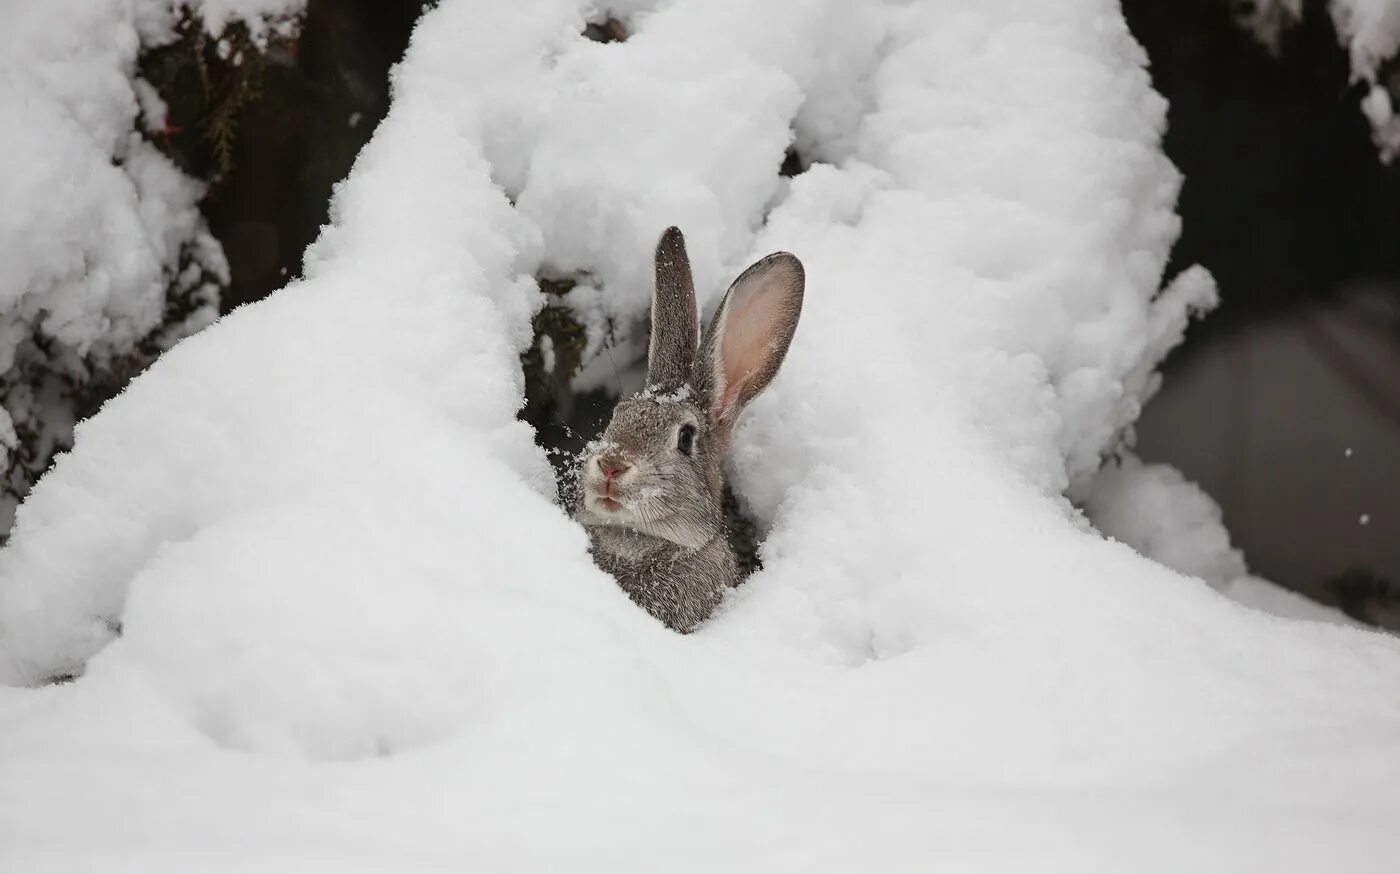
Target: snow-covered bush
1370,32
939,667
105,260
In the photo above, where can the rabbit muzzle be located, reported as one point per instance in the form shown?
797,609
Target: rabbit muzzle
609,481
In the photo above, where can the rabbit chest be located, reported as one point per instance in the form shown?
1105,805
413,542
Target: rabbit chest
677,585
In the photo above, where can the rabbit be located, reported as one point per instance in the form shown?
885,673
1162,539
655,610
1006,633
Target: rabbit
651,487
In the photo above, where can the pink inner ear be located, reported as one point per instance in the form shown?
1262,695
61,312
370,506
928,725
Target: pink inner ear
749,325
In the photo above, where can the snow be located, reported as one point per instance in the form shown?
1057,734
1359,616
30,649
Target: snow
1370,32
1370,29
99,228
1155,510
1272,598
1379,110
357,635
1162,515
97,216
1268,19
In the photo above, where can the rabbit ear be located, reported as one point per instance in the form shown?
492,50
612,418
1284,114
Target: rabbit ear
674,324
749,336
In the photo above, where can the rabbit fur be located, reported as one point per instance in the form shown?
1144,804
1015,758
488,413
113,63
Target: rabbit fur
651,487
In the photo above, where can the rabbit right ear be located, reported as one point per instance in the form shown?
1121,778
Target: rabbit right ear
749,337
674,323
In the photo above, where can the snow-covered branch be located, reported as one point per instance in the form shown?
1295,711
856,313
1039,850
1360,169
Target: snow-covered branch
1369,30
105,260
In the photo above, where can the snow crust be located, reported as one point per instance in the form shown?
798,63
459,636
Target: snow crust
355,633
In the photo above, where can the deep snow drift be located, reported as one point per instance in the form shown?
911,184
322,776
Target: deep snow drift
356,635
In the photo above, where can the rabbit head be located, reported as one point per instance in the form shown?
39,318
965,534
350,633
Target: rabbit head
658,468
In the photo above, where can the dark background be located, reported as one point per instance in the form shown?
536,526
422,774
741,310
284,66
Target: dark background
1284,404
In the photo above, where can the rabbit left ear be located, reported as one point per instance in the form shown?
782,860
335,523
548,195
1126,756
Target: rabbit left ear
674,323
749,336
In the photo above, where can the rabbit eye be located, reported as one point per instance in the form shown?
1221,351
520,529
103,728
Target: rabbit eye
685,440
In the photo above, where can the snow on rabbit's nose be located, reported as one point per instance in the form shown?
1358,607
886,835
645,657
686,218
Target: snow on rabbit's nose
612,466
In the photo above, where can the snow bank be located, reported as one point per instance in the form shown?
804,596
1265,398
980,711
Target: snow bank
324,536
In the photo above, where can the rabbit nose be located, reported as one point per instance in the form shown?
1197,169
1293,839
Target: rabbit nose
612,467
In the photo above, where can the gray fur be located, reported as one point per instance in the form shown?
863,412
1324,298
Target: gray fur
665,540
671,352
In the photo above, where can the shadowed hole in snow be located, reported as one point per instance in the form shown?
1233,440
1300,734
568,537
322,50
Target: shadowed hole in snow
609,30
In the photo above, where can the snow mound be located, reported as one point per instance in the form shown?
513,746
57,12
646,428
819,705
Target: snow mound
322,534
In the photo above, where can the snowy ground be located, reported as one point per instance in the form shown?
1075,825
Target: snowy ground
357,636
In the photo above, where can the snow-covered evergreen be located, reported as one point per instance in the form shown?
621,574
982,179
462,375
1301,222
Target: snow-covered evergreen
104,257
